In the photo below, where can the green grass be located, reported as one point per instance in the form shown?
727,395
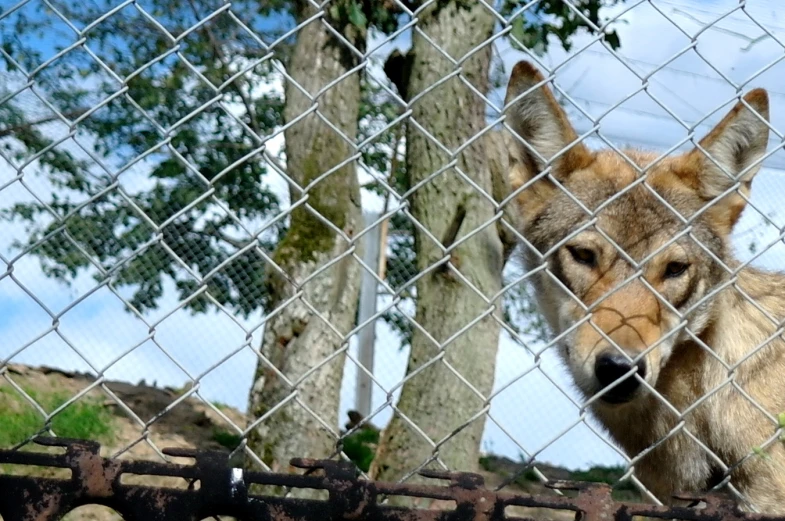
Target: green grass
85,419
360,447
227,439
609,475
624,490
529,475
221,406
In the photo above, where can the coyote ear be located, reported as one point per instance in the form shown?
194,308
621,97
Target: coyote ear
541,130
735,146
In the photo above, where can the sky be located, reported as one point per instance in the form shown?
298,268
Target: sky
536,414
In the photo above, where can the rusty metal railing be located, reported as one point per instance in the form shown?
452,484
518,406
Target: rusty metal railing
224,490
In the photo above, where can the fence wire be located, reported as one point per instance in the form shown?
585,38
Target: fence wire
144,190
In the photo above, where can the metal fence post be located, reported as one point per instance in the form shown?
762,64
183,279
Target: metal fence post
367,335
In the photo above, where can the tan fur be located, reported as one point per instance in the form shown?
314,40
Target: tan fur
727,396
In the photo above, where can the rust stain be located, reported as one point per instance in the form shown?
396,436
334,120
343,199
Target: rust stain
97,474
25,498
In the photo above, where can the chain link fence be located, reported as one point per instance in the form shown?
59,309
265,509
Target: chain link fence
145,192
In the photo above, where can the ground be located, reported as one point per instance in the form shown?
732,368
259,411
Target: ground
187,422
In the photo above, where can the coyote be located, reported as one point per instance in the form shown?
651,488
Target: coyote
655,319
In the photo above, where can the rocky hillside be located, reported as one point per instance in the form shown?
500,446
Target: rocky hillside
188,422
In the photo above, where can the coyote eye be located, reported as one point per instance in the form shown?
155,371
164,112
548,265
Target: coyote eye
583,255
675,269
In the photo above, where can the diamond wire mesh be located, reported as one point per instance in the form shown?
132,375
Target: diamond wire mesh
50,328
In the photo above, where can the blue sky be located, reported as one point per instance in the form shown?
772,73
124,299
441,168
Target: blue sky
533,411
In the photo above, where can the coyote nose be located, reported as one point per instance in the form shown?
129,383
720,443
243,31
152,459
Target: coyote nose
611,367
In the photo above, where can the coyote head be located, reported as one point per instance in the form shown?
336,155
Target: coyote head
628,263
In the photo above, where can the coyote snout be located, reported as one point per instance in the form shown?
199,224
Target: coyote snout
616,342
675,344
622,340
612,368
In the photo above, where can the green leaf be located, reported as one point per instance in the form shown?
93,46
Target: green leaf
613,39
519,30
759,451
335,11
357,17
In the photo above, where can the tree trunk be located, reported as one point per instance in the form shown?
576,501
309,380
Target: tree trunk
436,400
302,336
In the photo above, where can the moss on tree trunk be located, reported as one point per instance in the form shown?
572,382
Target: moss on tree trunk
302,334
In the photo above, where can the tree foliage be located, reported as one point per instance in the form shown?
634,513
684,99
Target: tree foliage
156,87
534,26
